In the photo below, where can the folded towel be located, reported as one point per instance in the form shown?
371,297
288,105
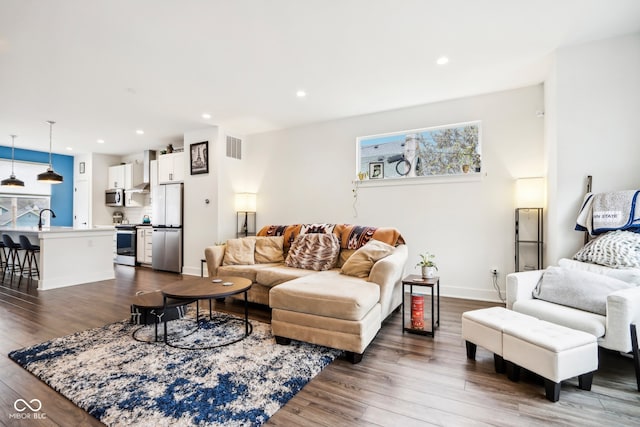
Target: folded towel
604,212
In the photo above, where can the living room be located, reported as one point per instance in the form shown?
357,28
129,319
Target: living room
575,122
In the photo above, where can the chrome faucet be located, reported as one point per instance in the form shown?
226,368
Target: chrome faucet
53,215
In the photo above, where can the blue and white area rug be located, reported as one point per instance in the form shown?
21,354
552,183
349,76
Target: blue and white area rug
121,381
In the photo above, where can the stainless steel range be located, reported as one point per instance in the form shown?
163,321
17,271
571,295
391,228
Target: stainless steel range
126,244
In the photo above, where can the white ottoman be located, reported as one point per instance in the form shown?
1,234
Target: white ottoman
484,327
552,351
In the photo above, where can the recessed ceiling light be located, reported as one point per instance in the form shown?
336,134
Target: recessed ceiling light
69,148
206,116
301,94
442,60
140,132
100,141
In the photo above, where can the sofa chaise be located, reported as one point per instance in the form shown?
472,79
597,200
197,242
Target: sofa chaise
327,284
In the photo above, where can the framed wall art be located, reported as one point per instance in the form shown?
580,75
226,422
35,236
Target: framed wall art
376,170
199,159
434,151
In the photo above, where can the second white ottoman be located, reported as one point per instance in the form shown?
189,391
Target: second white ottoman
484,327
554,352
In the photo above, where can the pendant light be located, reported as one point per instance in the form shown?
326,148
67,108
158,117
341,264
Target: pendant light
50,176
12,181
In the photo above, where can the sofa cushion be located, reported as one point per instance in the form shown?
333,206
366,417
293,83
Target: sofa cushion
274,275
314,252
269,249
326,293
246,271
360,263
240,251
576,288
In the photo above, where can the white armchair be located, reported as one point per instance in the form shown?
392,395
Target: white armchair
612,330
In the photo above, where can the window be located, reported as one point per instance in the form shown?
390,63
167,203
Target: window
437,151
21,206
23,210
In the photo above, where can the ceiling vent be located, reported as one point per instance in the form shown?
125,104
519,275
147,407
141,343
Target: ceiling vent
234,147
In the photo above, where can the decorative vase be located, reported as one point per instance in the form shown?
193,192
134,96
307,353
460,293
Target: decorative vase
428,272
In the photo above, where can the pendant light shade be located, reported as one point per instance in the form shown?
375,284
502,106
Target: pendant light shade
50,176
12,181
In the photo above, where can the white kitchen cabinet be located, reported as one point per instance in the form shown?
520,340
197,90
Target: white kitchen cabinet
133,199
118,176
144,238
171,168
125,176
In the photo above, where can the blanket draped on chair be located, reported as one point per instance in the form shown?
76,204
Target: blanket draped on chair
603,212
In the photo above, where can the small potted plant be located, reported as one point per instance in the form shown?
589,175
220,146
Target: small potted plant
427,264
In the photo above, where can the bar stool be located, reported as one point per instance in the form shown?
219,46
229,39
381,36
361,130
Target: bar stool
30,258
3,257
13,256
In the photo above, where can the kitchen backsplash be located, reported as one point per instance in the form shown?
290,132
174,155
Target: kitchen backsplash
135,215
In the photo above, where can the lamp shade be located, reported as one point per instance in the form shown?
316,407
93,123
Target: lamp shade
530,192
50,176
245,202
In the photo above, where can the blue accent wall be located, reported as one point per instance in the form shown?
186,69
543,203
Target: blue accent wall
61,194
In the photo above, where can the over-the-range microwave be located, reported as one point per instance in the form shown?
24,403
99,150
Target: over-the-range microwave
114,197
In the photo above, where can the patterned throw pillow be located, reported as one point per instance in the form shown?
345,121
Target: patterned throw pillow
314,252
269,249
613,249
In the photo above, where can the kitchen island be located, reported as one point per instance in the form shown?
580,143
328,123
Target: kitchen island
70,256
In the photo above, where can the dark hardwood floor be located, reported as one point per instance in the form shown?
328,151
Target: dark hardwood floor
403,379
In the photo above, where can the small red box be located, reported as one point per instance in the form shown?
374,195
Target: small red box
417,311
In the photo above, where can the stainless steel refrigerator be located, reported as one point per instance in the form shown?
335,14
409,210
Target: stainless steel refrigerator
167,228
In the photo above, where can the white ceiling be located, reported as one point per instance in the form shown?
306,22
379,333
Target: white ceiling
102,69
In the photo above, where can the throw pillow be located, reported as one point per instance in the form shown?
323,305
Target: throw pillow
613,249
360,263
578,289
314,252
629,275
269,249
239,251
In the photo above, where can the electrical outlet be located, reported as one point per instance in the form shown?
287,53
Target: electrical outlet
494,271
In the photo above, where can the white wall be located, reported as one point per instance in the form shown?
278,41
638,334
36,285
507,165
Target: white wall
593,99
305,175
205,223
201,219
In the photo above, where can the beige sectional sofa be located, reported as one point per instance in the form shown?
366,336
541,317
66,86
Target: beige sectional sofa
326,284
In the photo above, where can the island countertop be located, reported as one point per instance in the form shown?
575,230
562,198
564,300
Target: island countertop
68,255
54,229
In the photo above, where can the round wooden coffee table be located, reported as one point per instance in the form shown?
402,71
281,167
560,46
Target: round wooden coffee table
208,288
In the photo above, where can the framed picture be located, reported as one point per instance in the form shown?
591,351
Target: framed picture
81,167
199,157
376,170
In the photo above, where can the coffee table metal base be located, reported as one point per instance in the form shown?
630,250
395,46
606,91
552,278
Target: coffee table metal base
248,328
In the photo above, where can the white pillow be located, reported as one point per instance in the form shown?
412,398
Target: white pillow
578,289
629,275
